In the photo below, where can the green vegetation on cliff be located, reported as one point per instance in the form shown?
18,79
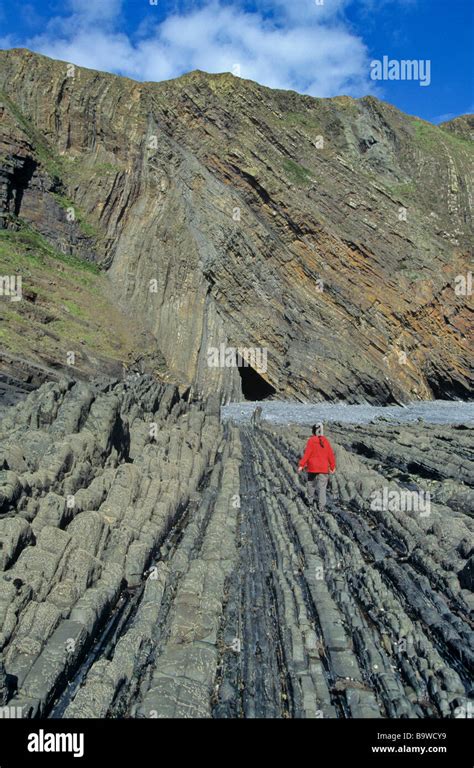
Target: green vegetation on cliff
67,305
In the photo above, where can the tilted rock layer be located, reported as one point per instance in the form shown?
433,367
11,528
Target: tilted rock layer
156,562
330,232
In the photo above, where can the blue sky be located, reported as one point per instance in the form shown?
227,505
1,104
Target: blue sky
320,47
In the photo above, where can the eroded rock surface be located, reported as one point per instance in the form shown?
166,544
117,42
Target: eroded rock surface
334,233
158,563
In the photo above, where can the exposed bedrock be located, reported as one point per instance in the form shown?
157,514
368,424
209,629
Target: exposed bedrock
157,563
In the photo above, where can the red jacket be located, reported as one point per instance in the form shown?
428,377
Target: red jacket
318,455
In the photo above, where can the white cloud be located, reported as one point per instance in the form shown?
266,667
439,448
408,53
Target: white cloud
293,44
309,10
100,10
451,115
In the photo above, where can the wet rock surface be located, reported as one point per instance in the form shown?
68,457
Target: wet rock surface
157,562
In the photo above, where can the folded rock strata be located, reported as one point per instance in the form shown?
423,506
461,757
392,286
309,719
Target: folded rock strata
332,233
158,563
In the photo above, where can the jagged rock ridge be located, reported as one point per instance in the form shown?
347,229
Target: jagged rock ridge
159,563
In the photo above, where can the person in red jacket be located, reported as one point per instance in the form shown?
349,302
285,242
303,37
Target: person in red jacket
319,461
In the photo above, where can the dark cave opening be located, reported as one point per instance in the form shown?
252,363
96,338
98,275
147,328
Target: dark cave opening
254,386
20,180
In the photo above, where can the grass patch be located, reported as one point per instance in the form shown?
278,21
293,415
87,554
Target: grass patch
70,207
431,136
73,308
426,134
26,243
459,141
298,119
297,173
407,190
106,168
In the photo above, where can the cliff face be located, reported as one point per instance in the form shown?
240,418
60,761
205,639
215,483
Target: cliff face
330,232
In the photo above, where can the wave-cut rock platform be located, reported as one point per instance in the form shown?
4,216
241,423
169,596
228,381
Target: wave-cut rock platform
159,562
